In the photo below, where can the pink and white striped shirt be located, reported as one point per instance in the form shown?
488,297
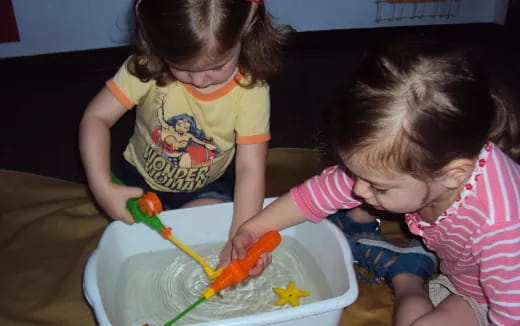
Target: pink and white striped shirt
477,239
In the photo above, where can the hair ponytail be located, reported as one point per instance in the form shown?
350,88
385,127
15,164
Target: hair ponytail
262,45
505,131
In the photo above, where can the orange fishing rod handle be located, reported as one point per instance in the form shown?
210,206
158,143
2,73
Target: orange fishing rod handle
238,270
267,243
150,204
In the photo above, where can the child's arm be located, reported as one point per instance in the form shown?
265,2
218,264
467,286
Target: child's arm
280,214
497,250
313,200
160,116
249,193
249,183
94,143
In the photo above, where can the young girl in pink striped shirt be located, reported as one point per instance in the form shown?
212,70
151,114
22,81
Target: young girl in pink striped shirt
420,133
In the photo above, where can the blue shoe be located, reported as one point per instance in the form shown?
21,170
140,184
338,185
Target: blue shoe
351,228
384,260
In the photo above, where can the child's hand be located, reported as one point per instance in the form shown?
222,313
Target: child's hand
225,254
113,197
236,248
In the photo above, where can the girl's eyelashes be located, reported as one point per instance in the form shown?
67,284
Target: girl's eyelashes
372,187
185,71
378,190
219,68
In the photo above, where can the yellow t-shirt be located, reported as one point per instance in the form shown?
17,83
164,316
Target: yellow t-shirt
184,139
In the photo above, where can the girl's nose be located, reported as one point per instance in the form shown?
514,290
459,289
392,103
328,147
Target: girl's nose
198,79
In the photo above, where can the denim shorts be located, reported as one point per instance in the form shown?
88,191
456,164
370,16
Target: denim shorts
220,189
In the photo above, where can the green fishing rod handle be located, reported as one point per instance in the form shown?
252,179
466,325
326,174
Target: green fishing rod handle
135,208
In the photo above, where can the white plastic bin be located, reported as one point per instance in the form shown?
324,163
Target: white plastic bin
210,224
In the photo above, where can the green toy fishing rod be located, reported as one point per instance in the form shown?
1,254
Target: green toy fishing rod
145,210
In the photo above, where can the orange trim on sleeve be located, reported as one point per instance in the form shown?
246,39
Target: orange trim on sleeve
256,139
119,95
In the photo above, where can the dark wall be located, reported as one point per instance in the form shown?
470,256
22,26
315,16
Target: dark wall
43,97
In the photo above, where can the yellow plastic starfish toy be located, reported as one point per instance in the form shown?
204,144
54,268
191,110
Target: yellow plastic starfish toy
290,295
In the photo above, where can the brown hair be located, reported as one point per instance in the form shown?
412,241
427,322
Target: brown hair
181,31
417,107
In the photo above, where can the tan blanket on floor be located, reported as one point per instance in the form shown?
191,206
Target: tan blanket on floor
49,227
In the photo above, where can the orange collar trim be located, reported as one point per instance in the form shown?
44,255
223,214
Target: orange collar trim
216,94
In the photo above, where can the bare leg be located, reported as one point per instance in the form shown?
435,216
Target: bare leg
453,310
412,306
411,299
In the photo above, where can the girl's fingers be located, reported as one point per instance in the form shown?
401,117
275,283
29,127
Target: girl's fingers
226,255
240,245
259,267
264,261
127,218
135,192
234,255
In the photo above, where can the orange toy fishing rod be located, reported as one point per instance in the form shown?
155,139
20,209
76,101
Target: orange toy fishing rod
237,271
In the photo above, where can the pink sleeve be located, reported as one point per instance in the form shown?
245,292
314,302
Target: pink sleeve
497,250
324,194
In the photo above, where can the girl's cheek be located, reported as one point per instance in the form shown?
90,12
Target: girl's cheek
180,76
383,202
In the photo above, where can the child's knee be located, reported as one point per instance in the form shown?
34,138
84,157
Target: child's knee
407,284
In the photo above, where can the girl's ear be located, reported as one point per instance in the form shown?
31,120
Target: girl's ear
457,172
